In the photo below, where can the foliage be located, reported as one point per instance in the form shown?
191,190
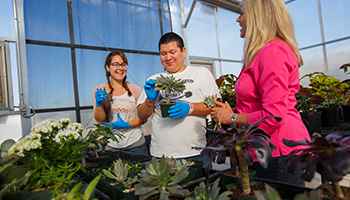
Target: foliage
170,85
236,142
345,67
328,155
76,195
226,84
157,179
272,194
120,171
5,156
209,101
331,89
13,182
52,143
210,193
306,101
100,134
178,164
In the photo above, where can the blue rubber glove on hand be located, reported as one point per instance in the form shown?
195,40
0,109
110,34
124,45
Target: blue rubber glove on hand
100,95
151,93
180,109
119,124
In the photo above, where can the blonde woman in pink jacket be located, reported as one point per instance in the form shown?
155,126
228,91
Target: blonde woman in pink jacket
268,82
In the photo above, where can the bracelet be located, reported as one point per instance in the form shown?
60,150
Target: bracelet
148,105
233,119
191,108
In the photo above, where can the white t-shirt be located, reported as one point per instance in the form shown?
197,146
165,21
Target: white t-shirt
126,107
176,137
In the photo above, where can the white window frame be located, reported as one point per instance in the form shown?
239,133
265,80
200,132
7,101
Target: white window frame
7,105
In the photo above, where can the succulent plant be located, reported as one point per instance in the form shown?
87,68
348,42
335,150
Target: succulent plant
236,142
210,193
209,102
5,156
158,179
328,155
120,171
168,84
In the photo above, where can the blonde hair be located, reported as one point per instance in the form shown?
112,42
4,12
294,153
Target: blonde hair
267,19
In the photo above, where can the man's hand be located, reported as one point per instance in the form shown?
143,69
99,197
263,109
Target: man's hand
180,109
151,93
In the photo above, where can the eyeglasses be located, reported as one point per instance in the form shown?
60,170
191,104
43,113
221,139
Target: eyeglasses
115,64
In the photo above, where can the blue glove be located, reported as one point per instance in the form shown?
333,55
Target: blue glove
180,109
100,95
151,93
119,124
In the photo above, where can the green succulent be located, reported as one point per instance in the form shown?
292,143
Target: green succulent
5,156
168,84
209,102
158,179
210,193
120,171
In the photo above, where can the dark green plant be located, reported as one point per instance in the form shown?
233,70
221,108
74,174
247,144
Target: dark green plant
201,192
5,156
306,101
158,179
120,171
14,182
99,134
168,84
272,194
74,194
328,155
236,141
209,101
226,84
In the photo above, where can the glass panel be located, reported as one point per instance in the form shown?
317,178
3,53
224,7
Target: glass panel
306,22
201,31
123,24
313,62
7,22
38,117
335,16
14,73
91,71
10,127
231,44
50,77
337,55
87,118
46,20
228,68
165,16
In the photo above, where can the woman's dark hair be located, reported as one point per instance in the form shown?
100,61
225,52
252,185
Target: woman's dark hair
171,37
108,61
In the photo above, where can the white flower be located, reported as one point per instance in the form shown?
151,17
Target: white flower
29,142
66,135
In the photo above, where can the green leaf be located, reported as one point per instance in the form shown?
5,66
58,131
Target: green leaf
91,187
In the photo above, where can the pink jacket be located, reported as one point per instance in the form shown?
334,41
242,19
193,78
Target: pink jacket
268,87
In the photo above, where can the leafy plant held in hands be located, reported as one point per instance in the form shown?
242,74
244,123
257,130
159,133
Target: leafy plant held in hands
226,84
329,156
168,84
209,101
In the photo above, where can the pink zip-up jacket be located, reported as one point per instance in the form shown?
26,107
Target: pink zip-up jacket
268,87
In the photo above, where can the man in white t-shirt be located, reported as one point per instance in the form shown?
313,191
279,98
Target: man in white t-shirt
175,135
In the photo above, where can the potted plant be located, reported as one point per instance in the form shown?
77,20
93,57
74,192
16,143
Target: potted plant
209,102
307,104
328,155
226,84
332,91
203,192
169,85
235,142
53,147
100,135
346,105
157,179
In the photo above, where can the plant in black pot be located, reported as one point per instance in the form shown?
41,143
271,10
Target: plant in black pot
169,85
307,104
235,142
328,155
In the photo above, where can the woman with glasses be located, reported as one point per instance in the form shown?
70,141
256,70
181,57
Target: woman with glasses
115,104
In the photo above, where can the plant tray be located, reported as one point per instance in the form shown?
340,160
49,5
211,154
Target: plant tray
130,157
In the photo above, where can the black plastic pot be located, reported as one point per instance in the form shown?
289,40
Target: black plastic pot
312,121
330,117
130,157
164,107
346,112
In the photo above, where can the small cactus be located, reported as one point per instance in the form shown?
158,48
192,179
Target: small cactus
168,84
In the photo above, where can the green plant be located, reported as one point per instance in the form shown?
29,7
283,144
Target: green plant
272,194
158,179
51,143
329,88
210,193
226,84
168,84
100,134
328,155
120,171
14,181
236,142
74,194
306,101
209,101
5,156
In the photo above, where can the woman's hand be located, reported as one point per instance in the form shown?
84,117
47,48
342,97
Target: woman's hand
222,112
